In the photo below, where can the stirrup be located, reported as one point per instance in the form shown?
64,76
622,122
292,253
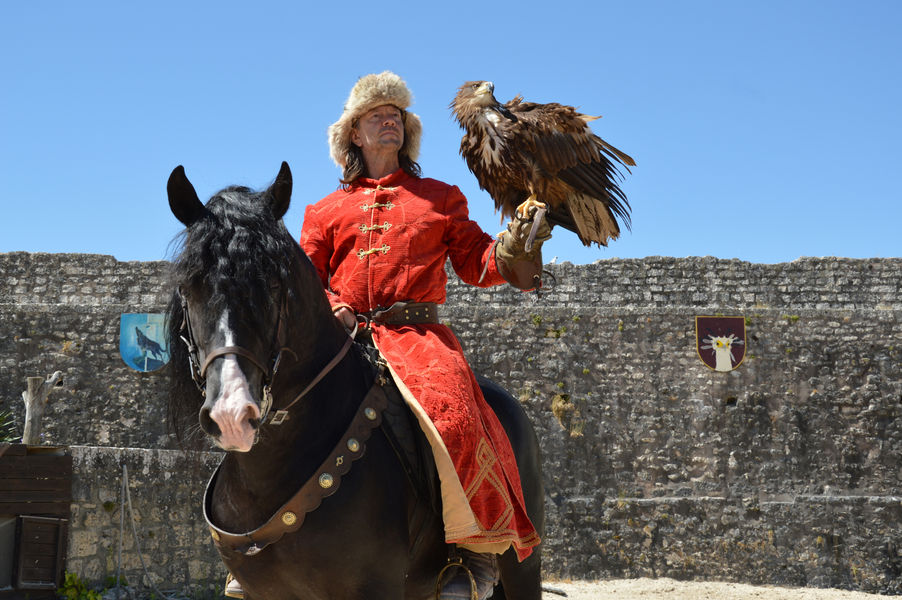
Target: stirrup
458,562
233,589
481,584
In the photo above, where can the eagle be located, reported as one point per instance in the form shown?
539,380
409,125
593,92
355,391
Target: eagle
530,156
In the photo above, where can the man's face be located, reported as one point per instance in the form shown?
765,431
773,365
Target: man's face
381,130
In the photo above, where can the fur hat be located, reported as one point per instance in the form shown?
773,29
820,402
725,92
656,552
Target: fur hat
369,92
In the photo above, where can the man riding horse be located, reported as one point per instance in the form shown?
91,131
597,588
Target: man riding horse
380,244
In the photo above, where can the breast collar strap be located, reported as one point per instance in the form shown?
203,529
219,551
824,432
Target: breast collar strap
324,481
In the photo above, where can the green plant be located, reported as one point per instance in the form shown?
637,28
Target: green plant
76,589
555,333
110,582
7,427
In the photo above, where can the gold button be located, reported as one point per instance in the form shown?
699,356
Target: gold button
325,481
289,518
353,445
370,413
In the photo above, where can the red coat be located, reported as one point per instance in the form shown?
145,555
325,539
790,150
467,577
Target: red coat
387,240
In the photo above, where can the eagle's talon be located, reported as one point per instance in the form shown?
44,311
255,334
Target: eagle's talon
527,209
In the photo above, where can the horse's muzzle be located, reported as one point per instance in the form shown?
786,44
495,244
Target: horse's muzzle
234,416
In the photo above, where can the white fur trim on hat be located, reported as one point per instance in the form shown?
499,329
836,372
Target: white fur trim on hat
369,92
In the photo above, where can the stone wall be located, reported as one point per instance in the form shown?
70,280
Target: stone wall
165,491
785,470
60,312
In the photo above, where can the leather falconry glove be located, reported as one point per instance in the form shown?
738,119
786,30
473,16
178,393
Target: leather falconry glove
522,268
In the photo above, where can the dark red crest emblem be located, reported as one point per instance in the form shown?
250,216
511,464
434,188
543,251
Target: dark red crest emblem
720,341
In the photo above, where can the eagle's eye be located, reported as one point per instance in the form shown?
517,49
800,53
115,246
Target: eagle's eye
475,85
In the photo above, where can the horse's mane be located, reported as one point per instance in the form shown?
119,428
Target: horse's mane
237,252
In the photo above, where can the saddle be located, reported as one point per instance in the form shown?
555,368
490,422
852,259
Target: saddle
399,425
403,432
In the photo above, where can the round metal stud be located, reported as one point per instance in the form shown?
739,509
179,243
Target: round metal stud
370,413
326,481
353,445
289,518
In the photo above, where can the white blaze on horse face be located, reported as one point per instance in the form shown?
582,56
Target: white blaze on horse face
234,407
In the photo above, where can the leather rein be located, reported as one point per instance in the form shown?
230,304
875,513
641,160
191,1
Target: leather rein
199,371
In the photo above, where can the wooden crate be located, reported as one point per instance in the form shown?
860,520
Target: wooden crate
36,490
41,552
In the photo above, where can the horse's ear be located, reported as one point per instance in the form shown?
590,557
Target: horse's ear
280,192
183,200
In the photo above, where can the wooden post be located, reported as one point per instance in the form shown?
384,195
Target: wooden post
36,397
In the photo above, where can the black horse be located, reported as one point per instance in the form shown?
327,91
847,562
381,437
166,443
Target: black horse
263,348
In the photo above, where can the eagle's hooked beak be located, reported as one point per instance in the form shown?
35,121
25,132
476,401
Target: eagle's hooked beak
487,87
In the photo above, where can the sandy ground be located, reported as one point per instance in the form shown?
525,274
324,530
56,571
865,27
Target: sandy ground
668,589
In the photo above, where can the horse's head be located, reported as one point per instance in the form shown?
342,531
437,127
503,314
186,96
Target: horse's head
238,271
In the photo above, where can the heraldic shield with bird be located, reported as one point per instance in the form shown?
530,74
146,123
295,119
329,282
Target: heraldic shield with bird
720,341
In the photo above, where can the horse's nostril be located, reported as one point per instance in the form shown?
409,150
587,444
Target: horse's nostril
207,424
253,416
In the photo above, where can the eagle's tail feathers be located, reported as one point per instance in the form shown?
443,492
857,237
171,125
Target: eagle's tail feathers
595,181
593,220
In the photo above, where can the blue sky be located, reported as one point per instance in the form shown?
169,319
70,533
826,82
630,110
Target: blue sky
763,131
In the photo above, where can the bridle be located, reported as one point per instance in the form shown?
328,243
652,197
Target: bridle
199,370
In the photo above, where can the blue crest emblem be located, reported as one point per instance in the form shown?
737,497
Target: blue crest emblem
142,341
